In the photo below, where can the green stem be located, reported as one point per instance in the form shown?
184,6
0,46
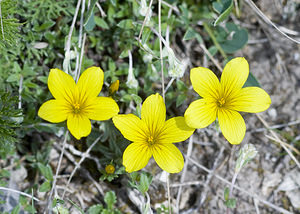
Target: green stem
213,38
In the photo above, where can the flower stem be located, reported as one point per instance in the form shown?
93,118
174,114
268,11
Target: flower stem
213,38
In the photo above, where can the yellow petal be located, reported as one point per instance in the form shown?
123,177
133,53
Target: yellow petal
205,82
79,125
90,83
168,157
200,113
251,99
61,85
136,156
154,113
101,108
54,111
234,76
232,125
131,127
175,130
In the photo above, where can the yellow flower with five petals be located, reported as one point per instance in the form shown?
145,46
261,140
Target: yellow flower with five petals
223,99
77,103
152,135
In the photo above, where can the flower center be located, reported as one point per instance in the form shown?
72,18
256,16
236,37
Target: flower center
76,108
221,102
151,141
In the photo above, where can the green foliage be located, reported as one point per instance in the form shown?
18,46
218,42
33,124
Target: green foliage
9,120
9,25
109,177
141,181
229,202
110,200
45,27
224,8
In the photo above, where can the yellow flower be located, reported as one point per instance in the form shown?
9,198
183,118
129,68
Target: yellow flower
77,103
110,169
152,135
224,99
113,88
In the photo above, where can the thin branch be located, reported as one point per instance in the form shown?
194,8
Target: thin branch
19,192
2,28
189,152
101,10
210,175
169,84
79,163
211,57
56,174
144,22
253,195
81,56
171,6
278,126
278,140
286,144
267,20
68,43
20,92
160,50
78,56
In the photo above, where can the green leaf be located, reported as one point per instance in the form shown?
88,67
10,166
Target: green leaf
100,22
238,41
146,34
126,24
13,78
226,10
95,209
145,182
137,99
16,210
230,203
76,206
226,193
180,99
218,7
46,25
90,12
46,171
110,199
90,24
189,34
181,85
113,2
251,81
45,187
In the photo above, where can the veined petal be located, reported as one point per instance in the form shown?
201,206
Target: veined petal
232,125
234,76
79,125
200,113
61,85
168,157
54,111
175,130
154,113
131,127
251,99
205,82
90,83
101,108
136,156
